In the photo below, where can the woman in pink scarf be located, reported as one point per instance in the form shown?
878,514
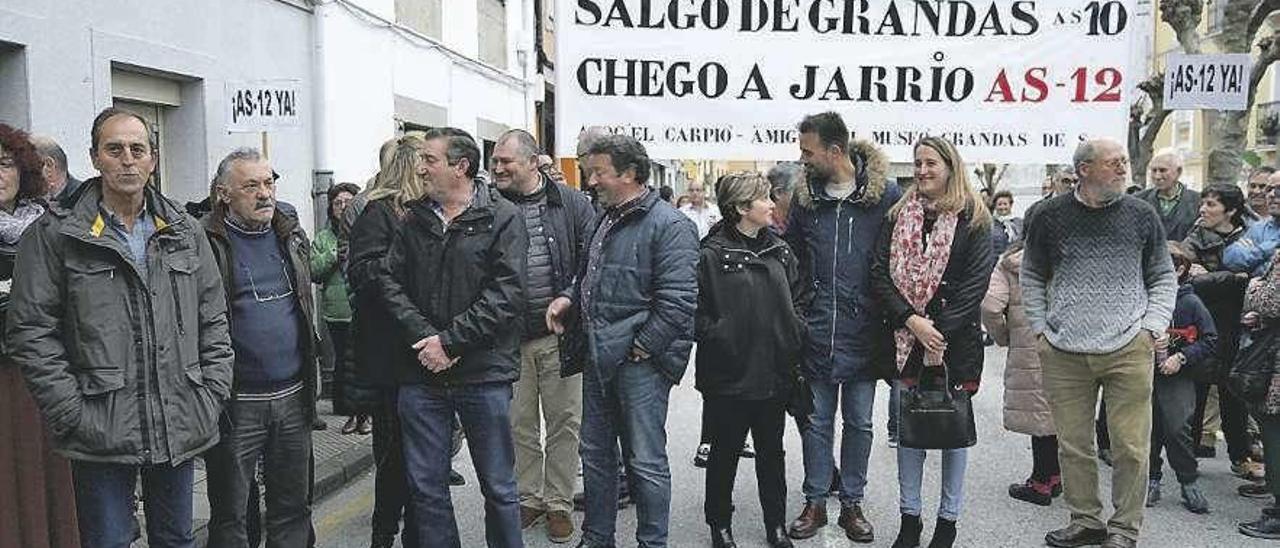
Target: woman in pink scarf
933,264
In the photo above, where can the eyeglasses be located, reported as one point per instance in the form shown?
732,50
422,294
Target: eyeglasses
248,274
1114,163
8,162
1274,190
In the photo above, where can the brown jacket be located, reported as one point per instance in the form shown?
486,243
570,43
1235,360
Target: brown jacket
1026,408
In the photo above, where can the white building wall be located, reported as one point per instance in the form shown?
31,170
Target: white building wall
70,47
368,60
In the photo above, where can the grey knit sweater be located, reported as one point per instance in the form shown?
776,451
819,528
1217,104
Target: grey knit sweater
1093,277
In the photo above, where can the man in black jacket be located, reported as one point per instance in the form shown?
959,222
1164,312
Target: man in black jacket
559,221
1178,206
453,280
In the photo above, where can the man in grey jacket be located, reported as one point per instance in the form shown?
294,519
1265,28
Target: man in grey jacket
119,324
1099,289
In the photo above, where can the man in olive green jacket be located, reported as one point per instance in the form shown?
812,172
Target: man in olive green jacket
118,321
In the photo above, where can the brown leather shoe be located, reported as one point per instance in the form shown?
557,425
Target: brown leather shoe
812,518
530,516
855,525
559,527
1116,540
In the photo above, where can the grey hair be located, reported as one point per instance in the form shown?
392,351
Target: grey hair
243,154
526,145
1170,152
784,177
1087,150
588,137
49,148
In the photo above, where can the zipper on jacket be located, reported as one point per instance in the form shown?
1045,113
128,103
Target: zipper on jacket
835,291
177,304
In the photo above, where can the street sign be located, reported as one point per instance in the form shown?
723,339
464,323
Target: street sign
263,105
1006,80
1213,82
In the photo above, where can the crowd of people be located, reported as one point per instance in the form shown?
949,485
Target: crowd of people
544,327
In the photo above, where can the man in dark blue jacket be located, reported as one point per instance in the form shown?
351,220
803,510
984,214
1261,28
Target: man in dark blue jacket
630,315
835,219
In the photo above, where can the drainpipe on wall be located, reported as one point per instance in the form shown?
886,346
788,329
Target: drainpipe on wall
321,174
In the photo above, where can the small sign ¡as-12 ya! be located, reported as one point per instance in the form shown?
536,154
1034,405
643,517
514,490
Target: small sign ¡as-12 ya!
262,105
1213,82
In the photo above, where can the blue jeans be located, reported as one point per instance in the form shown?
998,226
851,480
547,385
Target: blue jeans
104,504
857,401
631,408
426,419
911,475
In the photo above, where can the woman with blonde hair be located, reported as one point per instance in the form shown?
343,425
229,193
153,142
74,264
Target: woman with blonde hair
376,343
933,264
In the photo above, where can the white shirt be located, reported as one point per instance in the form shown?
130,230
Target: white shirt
704,217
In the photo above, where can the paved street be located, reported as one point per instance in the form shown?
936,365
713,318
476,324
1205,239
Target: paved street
990,517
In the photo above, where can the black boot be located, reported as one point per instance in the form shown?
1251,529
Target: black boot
777,535
944,534
722,537
382,541
909,532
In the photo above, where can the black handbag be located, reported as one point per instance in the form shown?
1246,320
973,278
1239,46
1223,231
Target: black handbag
1251,372
936,416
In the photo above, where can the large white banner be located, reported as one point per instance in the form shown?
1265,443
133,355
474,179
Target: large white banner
1009,81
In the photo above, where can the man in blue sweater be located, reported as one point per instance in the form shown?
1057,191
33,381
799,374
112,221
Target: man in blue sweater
1252,252
263,256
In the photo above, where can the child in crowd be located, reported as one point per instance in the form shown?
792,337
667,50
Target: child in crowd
1192,338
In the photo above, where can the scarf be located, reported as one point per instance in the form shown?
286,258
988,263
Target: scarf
916,266
12,225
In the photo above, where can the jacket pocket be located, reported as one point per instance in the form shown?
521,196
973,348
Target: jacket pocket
180,270
95,382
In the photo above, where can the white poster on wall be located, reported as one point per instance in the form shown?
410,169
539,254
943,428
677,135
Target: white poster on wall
1215,82
263,105
1008,81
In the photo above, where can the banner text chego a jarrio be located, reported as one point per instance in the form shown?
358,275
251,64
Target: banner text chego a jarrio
1010,81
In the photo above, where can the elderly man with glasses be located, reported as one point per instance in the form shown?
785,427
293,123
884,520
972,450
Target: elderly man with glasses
263,256
1251,253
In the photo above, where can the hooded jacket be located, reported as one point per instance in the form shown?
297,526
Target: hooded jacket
1222,292
111,353
834,241
747,326
1026,405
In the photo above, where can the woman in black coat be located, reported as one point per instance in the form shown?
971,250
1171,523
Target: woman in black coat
933,264
749,336
1223,219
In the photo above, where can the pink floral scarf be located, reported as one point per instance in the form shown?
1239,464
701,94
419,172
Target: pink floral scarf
915,266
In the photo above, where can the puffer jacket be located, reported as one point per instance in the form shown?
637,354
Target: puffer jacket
464,283
109,352
1222,292
293,241
646,294
1026,407
835,242
747,326
956,307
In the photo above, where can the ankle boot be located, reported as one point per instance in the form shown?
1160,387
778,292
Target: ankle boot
777,536
722,537
909,532
944,534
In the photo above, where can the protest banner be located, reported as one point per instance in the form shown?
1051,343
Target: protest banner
1008,81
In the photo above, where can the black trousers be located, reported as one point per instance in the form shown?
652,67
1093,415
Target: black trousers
391,486
1269,427
1172,403
1235,418
728,421
1044,458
